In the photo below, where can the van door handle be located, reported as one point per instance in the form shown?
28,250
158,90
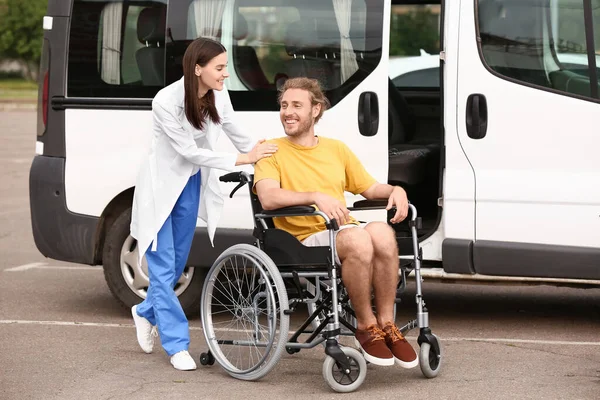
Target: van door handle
477,116
368,114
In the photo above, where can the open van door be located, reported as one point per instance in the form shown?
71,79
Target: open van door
527,121
342,43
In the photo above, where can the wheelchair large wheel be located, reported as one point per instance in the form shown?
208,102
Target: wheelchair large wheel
345,381
243,319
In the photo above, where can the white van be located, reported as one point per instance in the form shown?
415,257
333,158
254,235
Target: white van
499,155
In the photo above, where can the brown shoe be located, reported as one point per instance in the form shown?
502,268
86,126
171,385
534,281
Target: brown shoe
371,342
404,354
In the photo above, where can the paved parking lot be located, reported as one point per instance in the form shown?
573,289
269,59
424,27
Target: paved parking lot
63,336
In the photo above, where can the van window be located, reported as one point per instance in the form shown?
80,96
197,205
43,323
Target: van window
116,49
415,46
269,47
542,43
268,41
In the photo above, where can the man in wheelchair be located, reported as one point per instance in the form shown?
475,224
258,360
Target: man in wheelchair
313,170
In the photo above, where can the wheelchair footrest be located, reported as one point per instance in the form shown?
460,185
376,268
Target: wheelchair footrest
292,307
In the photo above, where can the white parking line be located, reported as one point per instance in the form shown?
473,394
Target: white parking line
193,328
25,267
88,324
62,323
19,160
523,341
40,265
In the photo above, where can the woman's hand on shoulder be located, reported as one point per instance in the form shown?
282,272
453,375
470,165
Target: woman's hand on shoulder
261,150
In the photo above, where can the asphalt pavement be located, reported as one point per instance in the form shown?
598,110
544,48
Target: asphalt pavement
63,336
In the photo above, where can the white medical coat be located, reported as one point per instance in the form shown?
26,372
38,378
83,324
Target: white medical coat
176,151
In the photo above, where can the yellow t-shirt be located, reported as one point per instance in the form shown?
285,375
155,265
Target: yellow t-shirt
330,167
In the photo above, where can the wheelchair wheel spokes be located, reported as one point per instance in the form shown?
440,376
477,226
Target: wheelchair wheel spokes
241,315
244,325
341,377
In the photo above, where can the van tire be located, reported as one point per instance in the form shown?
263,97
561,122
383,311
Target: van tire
111,258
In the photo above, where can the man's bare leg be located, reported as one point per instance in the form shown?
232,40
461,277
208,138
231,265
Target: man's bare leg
355,250
385,269
385,280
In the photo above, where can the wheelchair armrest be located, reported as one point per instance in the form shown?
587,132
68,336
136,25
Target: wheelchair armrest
298,211
369,205
364,205
286,211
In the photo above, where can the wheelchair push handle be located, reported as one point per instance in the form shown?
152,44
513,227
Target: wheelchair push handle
239,176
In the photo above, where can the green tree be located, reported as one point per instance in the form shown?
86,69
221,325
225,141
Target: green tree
414,30
21,32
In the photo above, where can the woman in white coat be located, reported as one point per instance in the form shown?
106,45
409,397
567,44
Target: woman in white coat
176,185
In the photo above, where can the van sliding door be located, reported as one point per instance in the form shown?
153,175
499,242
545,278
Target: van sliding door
527,119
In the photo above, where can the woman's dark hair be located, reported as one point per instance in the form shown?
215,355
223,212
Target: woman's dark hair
197,110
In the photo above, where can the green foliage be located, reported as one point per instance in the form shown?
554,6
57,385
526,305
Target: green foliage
17,84
10,75
21,30
414,30
273,61
18,89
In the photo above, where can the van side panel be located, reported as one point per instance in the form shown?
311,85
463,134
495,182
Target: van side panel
537,167
105,146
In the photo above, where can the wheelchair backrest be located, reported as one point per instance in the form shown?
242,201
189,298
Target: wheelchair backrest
283,248
257,207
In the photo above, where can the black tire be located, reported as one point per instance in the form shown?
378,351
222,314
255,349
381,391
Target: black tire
207,359
111,259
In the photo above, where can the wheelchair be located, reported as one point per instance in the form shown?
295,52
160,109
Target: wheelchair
250,292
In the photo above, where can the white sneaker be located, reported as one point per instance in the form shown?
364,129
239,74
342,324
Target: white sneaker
145,331
183,361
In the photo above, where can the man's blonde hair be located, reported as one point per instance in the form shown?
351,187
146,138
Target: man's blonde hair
313,87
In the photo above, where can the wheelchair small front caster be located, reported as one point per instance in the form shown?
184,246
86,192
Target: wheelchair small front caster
207,358
430,359
345,381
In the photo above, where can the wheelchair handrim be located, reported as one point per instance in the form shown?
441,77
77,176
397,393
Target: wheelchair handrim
207,319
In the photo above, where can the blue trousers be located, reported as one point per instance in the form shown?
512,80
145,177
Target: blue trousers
165,266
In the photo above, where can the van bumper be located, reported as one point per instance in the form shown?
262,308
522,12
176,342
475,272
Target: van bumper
58,233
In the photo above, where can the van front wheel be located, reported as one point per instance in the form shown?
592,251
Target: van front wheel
129,282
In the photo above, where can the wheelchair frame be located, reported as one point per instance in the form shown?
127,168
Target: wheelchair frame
278,256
